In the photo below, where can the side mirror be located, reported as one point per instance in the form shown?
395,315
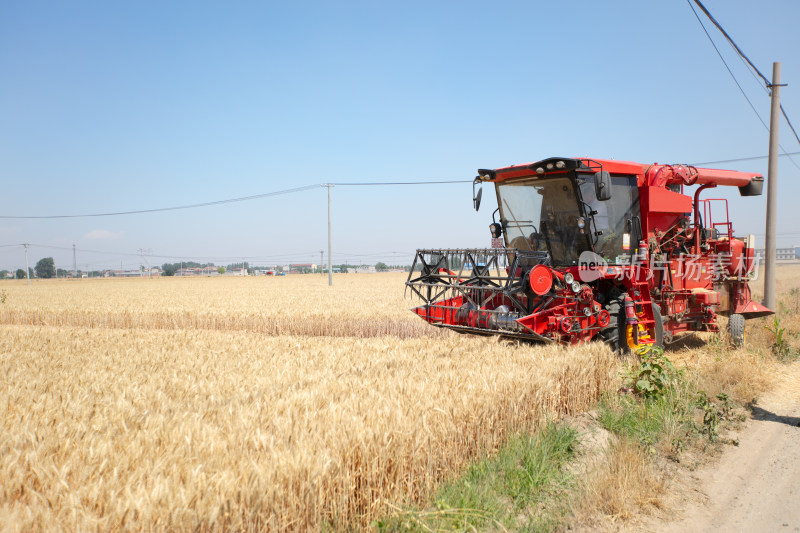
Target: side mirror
602,185
476,197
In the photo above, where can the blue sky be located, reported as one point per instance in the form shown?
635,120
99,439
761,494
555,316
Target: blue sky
125,106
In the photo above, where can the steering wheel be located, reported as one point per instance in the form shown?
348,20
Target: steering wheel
536,239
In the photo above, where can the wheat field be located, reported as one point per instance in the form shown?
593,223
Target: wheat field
361,305
252,403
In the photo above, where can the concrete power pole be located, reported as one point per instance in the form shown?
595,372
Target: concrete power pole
772,189
321,261
330,266
27,268
74,262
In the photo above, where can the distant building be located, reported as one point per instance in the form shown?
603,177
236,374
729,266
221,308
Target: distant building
154,272
198,271
299,268
364,269
236,272
782,254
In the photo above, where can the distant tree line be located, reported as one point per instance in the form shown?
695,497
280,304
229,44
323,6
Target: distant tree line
170,269
19,274
45,268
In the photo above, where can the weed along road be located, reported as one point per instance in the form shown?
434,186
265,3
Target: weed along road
755,486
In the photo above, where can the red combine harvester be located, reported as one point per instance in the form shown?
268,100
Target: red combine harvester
597,249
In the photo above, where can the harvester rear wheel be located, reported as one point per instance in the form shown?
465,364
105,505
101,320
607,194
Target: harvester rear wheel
736,330
615,333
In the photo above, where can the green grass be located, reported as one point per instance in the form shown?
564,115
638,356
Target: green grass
527,484
523,487
649,420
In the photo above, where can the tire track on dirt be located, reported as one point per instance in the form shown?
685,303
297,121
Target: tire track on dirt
755,486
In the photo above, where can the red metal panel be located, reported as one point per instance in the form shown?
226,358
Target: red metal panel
725,177
753,310
658,200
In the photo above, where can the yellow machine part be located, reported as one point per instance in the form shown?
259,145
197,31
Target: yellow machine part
644,337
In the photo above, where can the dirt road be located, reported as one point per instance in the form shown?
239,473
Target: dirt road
755,486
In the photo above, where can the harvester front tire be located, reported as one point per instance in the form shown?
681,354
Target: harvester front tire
736,330
614,334
659,329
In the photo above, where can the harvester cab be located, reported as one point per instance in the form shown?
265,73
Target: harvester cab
589,249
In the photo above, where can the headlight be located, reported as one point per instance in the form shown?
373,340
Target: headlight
568,278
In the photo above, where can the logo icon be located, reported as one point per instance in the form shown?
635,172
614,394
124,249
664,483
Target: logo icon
590,266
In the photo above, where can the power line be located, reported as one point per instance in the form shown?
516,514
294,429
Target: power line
743,159
789,122
730,40
231,200
722,58
175,208
378,183
743,56
766,89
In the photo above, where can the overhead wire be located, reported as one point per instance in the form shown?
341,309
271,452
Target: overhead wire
754,72
730,40
789,122
374,183
753,107
739,159
270,257
743,56
174,208
230,200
